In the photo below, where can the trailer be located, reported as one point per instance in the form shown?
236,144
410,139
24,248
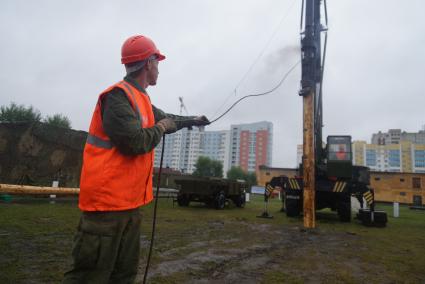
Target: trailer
213,192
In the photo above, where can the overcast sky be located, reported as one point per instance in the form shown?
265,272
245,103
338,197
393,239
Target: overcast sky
59,55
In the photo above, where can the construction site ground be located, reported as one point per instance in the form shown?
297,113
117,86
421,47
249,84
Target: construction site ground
197,244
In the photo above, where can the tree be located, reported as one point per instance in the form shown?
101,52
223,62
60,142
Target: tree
58,120
206,167
217,168
238,173
19,113
251,178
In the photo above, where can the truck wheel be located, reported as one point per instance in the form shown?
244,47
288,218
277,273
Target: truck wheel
220,200
292,207
183,200
239,201
344,211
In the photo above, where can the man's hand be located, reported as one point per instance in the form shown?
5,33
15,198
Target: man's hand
190,121
167,125
200,121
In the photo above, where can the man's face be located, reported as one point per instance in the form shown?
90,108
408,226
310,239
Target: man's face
153,71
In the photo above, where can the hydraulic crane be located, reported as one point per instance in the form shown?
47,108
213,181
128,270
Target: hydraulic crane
327,177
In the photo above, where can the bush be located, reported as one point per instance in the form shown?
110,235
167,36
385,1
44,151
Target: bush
19,113
58,120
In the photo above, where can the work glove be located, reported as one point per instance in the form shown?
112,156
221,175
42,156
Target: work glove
190,121
201,121
167,125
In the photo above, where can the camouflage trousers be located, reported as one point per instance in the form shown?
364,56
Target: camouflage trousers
106,248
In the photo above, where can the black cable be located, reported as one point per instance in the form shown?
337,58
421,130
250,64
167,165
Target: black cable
154,210
302,15
258,57
326,12
162,157
259,94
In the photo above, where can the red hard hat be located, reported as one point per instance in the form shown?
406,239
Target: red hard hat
137,48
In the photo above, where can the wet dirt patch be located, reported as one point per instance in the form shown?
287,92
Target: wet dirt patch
260,248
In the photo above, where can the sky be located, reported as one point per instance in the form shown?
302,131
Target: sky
58,56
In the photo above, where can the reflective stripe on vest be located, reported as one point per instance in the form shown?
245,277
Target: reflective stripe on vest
99,142
139,116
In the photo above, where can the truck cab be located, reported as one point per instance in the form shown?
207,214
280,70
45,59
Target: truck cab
339,157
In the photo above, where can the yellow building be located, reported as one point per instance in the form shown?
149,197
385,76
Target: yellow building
406,188
358,149
265,173
404,157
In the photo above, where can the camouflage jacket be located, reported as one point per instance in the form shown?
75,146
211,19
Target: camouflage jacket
121,125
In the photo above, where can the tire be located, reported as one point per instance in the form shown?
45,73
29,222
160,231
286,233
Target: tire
239,201
183,200
220,200
344,211
292,207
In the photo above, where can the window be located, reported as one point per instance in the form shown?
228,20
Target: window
370,157
339,148
420,158
377,178
267,173
394,158
402,193
402,179
416,182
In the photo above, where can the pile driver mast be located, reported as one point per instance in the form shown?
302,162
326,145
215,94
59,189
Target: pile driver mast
311,91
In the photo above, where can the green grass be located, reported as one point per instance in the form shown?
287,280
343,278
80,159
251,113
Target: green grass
230,245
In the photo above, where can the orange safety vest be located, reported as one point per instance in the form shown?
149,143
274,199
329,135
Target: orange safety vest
111,181
341,155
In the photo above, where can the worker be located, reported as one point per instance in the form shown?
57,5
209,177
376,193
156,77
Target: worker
341,154
116,176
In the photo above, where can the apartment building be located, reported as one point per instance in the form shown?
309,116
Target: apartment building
395,136
251,145
216,146
182,150
402,157
244,145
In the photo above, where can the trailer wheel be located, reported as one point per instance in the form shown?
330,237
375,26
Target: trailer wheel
292,207
239,201
183,200
344,211
220,200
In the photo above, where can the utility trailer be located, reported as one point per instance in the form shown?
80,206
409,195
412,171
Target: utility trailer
337,180
211,191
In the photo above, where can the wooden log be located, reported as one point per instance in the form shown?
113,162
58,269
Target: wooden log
37,190
309,162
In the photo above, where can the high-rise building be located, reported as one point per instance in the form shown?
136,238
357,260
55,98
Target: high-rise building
402,157
395,136
182,150
251,145
216,146
245,145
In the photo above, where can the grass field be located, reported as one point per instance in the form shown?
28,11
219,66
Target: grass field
196,244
